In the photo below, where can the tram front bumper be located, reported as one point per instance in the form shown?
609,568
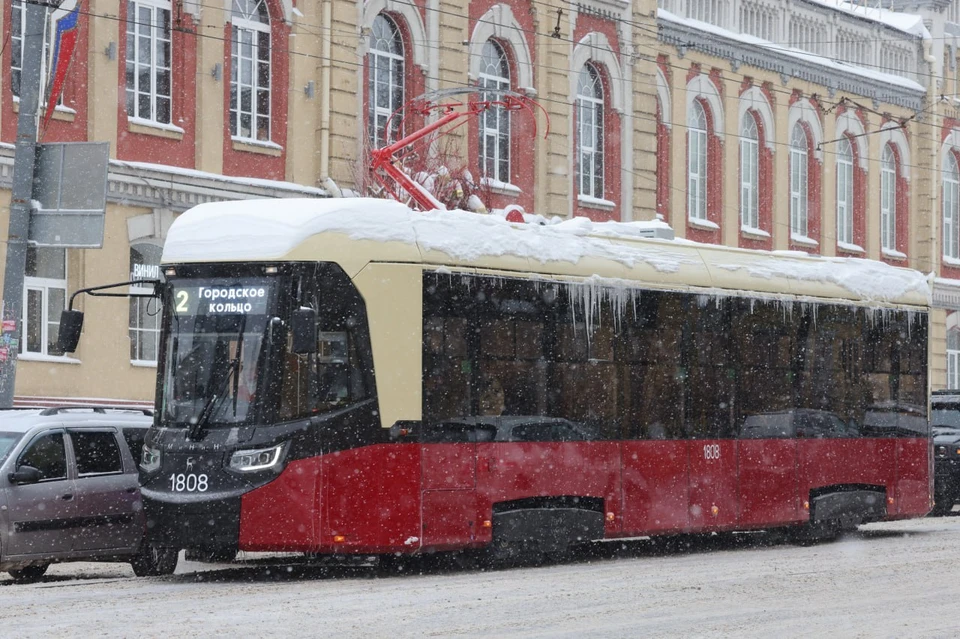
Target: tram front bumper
210,527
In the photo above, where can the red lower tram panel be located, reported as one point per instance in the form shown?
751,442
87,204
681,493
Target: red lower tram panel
409,498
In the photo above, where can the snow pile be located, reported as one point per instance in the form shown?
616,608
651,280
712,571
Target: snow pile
270,229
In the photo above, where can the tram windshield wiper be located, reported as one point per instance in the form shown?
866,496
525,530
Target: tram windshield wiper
195,430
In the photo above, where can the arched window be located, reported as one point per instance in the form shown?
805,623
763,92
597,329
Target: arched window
888,199
845,191
697,162
798,181
951,202
385,81
250,70
749,172
590,132
495,122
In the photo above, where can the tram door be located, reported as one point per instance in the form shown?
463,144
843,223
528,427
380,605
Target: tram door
714,501
449,495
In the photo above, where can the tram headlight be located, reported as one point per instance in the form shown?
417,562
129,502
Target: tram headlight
150,459
246,461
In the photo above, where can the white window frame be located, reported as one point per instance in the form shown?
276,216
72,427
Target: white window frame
951,202
494,122
749,172
844,191
385,83
43,285
156,32
590,132
138,333
799,182
19,20
247,36
888,199
953,353
697,162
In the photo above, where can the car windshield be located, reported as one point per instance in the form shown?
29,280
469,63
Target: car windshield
945,417
7,442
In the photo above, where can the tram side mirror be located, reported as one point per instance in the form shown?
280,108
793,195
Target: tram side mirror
304,329
71,322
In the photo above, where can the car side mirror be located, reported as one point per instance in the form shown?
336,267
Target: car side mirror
25,475
304,330
68,337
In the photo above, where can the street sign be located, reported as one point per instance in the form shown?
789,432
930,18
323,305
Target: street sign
70,193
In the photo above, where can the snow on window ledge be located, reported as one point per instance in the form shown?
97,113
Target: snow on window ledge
952,261
850,248
893,254
749,230
151,124
52,359
703,224
591,202
503,188
250,142
803,239
143,363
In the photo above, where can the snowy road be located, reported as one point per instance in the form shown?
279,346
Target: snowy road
889,580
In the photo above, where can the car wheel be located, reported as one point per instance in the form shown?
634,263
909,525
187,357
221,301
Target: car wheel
28,574
154,561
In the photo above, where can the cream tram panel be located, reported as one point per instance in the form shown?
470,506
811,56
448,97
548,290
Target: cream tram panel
352,255
393,294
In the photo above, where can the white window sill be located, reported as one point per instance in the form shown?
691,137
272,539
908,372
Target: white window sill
703,224
803,239
850,248
749,230
142,363
591,202
267,144
891,253
502,188
154,125
51,359
952,261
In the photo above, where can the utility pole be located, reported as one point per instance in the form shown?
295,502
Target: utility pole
23,171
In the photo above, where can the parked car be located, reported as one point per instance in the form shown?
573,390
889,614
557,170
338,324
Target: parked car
945,427
803,423
69,490
508,428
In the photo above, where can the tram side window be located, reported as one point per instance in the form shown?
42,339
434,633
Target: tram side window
340,373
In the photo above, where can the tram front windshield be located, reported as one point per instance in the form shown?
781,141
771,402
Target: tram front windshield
214,351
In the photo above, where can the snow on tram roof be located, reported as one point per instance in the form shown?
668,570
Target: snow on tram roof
260,230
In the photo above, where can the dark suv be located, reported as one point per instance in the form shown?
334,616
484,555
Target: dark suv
945,424
69,490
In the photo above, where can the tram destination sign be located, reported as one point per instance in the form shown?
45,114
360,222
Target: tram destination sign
70,194
221,300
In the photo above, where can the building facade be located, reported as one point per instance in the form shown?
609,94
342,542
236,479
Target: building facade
807,125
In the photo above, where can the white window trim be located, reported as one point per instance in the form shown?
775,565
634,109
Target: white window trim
844,197
240,25
888,200
595,105
501,83
697,165
951,201
44,285
799,190
749,175
155,6
389,59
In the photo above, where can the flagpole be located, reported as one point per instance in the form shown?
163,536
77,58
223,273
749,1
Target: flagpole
24,159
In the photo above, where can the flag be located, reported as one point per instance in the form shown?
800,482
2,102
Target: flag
66,19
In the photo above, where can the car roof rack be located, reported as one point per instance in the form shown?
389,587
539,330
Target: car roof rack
56,410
